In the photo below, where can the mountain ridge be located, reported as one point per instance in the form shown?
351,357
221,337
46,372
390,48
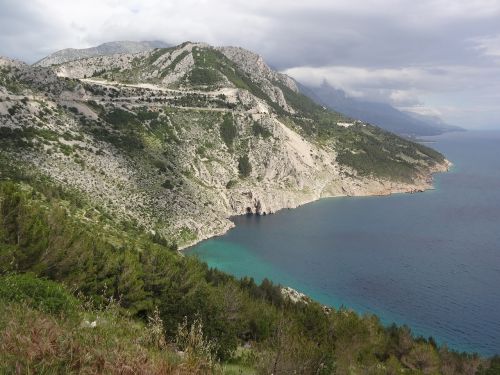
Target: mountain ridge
194,134
378,113
109,48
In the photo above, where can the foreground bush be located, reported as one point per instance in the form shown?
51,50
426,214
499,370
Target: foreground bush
33,292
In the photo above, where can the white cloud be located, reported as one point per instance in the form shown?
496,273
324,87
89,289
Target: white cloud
439,91
488,45
399,51
398,80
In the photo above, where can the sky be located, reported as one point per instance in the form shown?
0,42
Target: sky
437,57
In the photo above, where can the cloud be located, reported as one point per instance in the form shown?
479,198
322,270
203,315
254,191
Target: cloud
398,82
488,45
400,51
417,89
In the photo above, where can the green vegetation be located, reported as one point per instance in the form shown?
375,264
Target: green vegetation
492,369
367,149
92,340
372,151
259,130
174,63
119,117
204,77
205,312
39,294
210,58
228,130
244,166
156,54
85,291
231,183
8,80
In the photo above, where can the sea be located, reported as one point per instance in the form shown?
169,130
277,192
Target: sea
429,260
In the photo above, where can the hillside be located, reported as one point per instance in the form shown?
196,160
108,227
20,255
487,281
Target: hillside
379,114
110,48
121,301
109,164
177,140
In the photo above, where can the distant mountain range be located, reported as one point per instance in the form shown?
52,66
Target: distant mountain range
380,114
105,49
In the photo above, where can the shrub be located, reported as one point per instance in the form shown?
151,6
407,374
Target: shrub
144,114
231,183
205,77
36,293
168,184
244,166
120,117
258,129
228,130
197,347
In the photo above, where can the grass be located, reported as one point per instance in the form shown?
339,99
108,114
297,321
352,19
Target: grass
44,295
32,341
231,369
92,340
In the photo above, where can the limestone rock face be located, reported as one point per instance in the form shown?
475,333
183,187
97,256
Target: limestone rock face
254,65
177,140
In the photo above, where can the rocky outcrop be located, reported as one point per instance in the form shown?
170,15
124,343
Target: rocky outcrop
254,65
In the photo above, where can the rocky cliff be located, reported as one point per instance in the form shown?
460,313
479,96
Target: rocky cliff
177,140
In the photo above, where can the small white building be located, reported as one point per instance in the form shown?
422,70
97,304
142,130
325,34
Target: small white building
345,124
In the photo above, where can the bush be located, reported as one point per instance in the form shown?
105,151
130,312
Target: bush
244,166
144,114
119,117
258,129
204,77
228,131
37,293
231,183
37,231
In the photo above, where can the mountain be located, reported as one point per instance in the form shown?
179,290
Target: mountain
108,164
105,49
376,113
192,135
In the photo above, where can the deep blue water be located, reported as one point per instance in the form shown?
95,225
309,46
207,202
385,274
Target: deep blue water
428,260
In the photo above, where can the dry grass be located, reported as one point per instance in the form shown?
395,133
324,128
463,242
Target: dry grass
32,342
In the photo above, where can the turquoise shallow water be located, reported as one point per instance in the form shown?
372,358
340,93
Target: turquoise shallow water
429,260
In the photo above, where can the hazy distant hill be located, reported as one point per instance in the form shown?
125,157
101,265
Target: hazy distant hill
111,48
381,114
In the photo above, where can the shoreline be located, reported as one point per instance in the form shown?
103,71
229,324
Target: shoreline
425,184
297,295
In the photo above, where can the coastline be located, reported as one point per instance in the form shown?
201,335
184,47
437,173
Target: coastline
304,292
370,189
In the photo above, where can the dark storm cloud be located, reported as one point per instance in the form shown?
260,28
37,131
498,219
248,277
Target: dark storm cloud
435,56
